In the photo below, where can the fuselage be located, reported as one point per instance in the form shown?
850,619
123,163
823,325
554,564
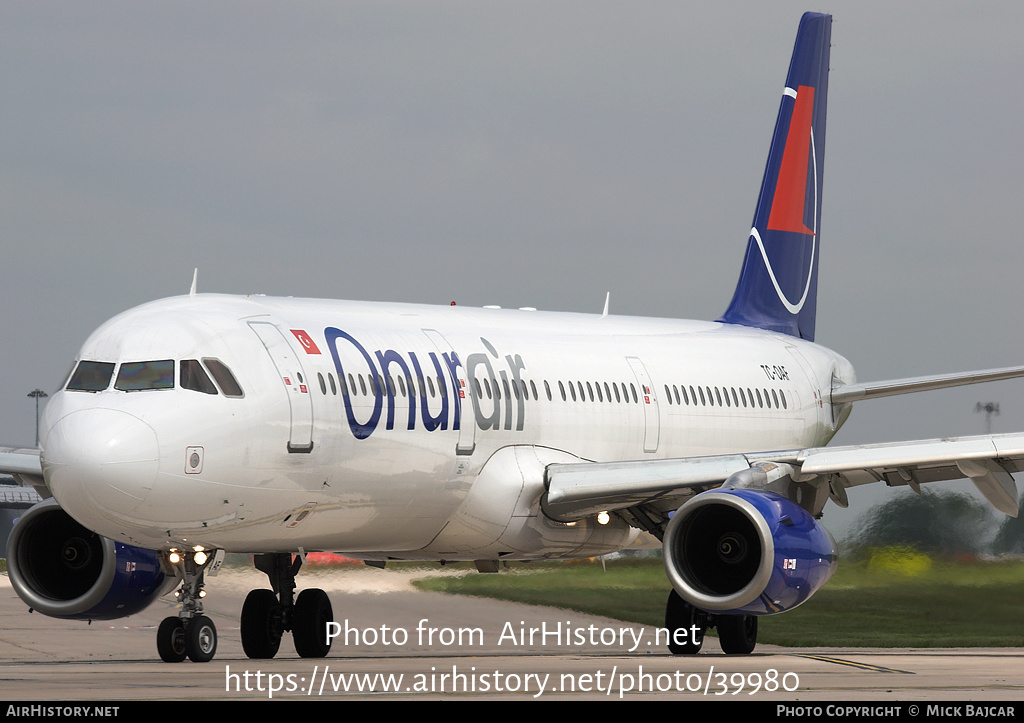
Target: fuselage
362,427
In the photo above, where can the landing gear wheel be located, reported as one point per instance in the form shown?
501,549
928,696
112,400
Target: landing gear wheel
309,623
170,640
200,639
261,624
681,620
737,634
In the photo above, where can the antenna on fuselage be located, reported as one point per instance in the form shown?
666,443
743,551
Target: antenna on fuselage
195,277
607,298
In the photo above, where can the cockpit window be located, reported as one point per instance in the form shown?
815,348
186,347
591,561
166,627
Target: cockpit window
139,376
192,376
91,376
224,378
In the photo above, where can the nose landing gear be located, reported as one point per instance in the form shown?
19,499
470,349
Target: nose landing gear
191,635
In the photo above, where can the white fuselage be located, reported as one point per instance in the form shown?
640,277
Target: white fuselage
311,456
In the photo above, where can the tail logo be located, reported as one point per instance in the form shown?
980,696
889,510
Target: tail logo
790,199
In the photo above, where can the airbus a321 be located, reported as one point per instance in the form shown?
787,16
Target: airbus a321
204,424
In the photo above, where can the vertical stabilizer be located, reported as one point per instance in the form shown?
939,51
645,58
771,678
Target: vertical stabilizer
778,284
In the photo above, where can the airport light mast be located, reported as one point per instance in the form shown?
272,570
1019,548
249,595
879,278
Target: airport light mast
37,394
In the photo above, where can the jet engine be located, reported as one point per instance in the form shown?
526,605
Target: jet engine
61,569
746,552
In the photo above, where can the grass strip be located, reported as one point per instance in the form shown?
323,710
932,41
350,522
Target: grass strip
868,603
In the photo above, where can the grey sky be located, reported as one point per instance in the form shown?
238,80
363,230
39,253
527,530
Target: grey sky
513,153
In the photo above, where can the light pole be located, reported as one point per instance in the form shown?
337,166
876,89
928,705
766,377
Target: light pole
37,394
989,408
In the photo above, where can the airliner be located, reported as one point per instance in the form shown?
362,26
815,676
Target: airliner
204,424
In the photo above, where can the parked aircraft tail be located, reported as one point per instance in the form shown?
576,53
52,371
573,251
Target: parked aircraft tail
778,284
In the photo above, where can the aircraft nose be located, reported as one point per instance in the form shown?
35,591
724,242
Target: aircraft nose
100,459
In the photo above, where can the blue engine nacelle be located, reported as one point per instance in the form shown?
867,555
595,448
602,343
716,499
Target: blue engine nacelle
746,552
61,569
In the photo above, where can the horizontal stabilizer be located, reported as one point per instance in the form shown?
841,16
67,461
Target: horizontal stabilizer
872,390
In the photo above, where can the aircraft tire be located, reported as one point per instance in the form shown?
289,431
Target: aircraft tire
681,615
737,634
170,640
309,623
261,624
201,639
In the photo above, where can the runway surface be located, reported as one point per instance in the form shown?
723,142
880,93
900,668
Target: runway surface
405,644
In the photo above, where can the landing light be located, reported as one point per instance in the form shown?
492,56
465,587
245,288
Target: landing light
200,558
603,518
174,557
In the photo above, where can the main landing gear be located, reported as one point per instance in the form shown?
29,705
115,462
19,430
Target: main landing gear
268,614
191,635
687,625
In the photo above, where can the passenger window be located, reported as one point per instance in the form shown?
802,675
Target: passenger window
143,376
224,378
334,389
547,389
191,375
91,376
323,383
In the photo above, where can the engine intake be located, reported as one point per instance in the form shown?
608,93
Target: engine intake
749,552
61,569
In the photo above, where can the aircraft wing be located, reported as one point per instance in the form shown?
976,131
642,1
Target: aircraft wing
654,488
23,463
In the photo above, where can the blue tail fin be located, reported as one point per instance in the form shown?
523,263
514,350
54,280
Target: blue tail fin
779,282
